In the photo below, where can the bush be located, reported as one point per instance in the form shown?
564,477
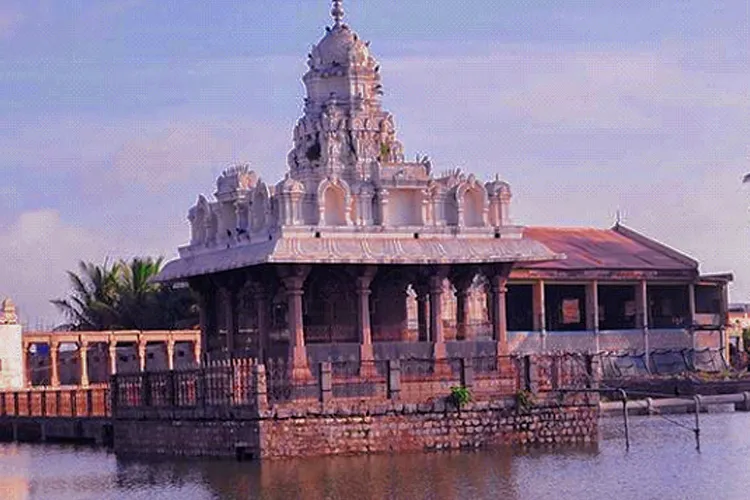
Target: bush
460,396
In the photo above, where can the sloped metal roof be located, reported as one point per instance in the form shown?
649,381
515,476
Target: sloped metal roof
616,248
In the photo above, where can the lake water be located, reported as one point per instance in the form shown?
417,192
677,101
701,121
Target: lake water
662,464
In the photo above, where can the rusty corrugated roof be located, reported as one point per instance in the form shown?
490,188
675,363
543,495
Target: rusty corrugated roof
616,248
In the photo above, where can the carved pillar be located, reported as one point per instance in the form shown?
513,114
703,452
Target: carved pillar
229,304
498,276
363,313
423,308
294,292
112,356
83,353
54,349
142,355
436,316
170,354
463,281
197,352
260,297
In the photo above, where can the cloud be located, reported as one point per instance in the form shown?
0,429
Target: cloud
37,249
580,132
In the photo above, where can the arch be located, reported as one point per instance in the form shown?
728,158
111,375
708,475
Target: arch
473,203
473,208
334,202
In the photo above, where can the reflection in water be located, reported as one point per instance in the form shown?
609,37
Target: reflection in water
662,464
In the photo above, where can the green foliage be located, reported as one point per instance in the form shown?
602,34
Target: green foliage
746,339
123,296
524,401
460,396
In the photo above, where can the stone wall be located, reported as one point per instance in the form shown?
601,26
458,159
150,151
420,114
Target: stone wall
353,429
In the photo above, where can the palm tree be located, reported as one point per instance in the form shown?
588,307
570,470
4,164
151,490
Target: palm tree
92,302
125,296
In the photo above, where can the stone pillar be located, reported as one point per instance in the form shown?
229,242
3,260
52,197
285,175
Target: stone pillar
83,354
692,315
463,284
112,357
294,292
540,320
170,354
499,313
230,315
25,372
197,352
261,311
142,355
54,349
641,305
423,310
592,311
363,316
436,316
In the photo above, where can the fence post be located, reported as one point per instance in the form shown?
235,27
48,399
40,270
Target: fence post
467,372
89,402
43,409
594,368
326,384
15,404
172,389
113,394
73,396
260,387
394,379
531,374
3,410
145,389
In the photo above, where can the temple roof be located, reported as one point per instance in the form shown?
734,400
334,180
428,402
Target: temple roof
614,249
360,249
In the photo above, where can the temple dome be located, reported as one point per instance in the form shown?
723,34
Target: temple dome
341,46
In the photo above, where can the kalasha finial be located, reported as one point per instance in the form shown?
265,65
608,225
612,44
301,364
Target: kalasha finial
337,12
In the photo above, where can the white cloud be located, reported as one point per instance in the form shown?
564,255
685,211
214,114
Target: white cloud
37,249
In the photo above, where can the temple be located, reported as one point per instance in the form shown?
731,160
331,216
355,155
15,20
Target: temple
358,252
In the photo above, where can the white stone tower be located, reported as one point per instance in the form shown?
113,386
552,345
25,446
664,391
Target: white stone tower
11,348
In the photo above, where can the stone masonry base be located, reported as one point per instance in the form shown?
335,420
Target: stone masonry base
347,431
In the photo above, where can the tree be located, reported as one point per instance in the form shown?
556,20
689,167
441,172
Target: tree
91,303
125,296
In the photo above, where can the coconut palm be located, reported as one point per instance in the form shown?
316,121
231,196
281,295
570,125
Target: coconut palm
91,304
125,296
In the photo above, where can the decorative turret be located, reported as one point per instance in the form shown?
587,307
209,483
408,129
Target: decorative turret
344,129
8,315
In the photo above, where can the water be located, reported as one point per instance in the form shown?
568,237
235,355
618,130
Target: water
662,464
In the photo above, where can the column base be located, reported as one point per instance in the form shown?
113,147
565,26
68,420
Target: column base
367,361
300,367
503,349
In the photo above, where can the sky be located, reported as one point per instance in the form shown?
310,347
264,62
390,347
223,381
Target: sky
116,114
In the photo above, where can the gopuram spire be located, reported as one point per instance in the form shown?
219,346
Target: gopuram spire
337,12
